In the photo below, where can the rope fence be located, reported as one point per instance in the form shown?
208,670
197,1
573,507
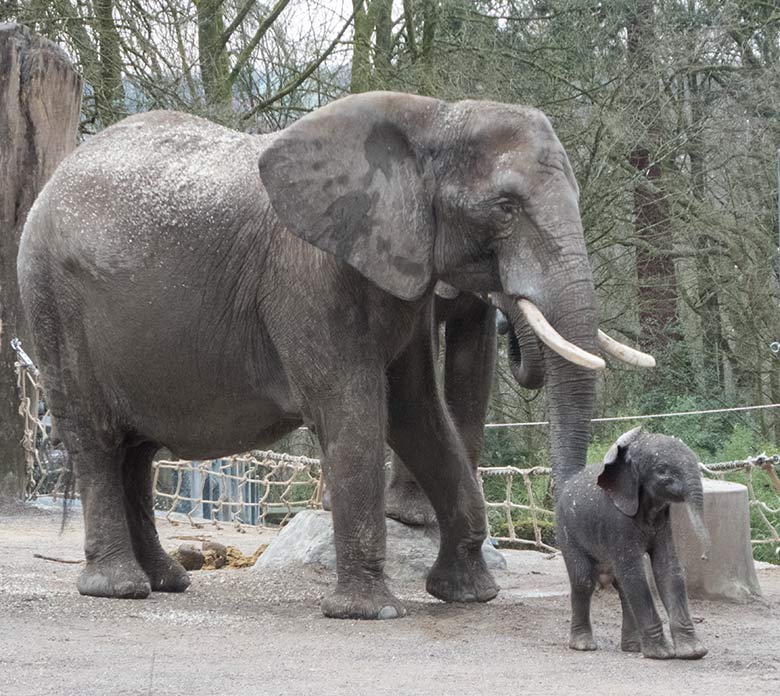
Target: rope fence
265,489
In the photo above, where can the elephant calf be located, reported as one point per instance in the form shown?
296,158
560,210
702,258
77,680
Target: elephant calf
608,519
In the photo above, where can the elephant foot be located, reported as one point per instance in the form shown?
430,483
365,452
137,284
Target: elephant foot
658,650
349,602
630,646
689,648
166,574
119,579
630,640
406,502
582,640
465,579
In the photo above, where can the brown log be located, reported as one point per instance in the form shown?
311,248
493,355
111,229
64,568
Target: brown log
40,100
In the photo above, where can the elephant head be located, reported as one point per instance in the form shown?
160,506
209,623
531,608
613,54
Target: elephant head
650,470
481,196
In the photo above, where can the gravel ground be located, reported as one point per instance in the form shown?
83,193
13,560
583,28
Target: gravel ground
245,632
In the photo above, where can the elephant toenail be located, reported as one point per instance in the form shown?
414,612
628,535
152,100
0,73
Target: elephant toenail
388,612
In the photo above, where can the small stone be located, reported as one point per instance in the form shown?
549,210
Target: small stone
189,556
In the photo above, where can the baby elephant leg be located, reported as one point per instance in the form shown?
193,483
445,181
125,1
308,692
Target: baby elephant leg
629,633
631,578
671,586
582,577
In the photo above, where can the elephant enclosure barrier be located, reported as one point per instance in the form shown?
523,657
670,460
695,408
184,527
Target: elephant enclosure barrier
264,488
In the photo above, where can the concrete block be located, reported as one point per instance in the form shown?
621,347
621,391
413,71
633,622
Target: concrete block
729,573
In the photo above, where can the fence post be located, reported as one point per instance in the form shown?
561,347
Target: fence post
40,100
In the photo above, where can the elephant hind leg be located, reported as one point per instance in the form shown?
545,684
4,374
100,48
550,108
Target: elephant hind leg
405,500
111,569
165,574
582,577
630,640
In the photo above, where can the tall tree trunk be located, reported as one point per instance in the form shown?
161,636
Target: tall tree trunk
212,55
714,346
430,15
654,261
109,93
40,96
384,37
361,47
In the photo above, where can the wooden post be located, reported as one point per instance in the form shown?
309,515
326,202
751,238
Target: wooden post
40,101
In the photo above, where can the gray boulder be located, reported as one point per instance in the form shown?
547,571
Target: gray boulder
411,551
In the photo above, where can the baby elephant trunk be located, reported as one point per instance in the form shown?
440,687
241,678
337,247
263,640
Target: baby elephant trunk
695,506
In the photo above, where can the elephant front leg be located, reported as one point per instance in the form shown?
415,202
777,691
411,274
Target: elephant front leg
111,569
423,434
470,352
631,578
671,586
351,430
165,574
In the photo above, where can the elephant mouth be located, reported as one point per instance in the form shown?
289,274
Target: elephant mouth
573,353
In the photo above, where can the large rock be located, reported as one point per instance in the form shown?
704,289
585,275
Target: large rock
411,551
729,572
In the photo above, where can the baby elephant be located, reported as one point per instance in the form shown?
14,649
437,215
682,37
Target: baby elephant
608,519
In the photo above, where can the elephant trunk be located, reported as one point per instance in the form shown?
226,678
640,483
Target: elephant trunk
571,388
695,507
524,351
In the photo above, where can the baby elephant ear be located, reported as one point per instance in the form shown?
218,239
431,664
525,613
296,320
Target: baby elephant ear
349,179
618,477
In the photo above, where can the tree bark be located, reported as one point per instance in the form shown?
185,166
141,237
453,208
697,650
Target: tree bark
212,55
110,94
40,98
361,48
654,260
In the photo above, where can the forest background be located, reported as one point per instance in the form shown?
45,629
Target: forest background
668,110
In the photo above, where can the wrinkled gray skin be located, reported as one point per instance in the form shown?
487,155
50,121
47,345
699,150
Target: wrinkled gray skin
607,520
178,299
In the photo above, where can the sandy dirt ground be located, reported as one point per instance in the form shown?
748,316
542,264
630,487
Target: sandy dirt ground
250,632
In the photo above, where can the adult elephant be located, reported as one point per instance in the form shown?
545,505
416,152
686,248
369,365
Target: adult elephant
177,299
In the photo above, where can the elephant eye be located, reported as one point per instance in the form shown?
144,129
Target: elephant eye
508,207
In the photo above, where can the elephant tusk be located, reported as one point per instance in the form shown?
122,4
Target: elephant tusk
623,352
445,290
550,337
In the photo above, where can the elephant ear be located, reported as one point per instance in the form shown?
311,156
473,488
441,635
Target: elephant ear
618,477
348,179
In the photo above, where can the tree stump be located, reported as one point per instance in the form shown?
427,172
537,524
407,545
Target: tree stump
729,572
40,100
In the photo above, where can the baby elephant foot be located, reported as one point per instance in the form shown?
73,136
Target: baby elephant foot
122,579
629,640
406,502
464,579
688,648
582,640
166,574
349,602
658,649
